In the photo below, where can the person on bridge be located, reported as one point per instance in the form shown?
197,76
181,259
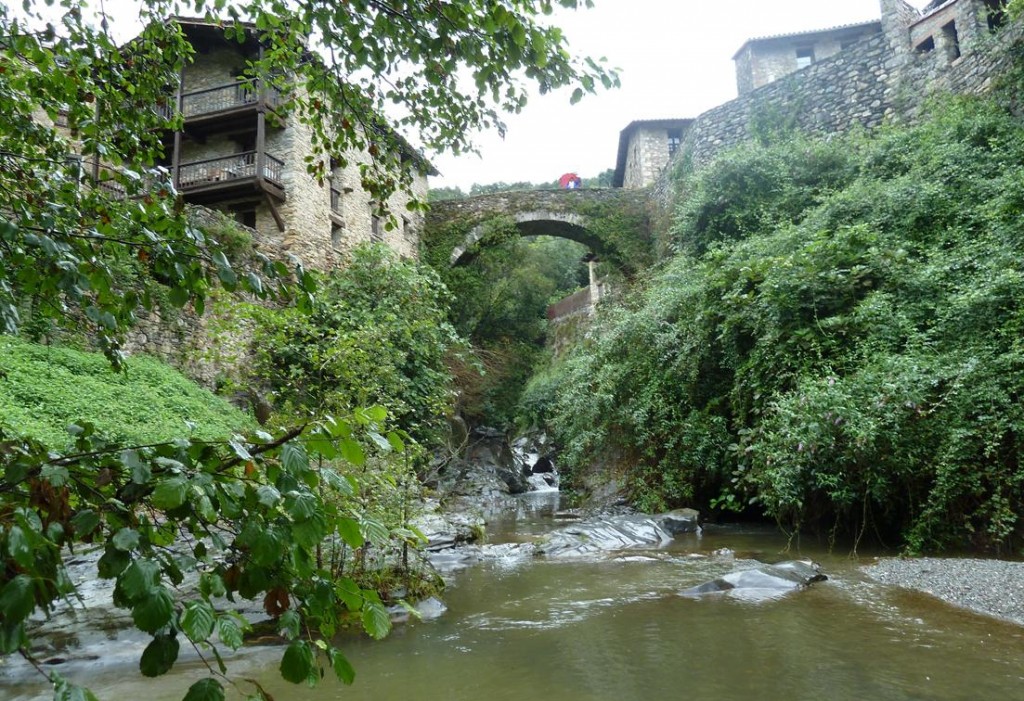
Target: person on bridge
570,181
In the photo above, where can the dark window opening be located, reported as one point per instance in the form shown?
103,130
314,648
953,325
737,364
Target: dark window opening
804,57
952,41
926,46
246,143
675,138
337,230
376,231
996,14
245,216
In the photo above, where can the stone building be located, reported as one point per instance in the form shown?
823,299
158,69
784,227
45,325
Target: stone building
858,77
645,148
236,153
766,59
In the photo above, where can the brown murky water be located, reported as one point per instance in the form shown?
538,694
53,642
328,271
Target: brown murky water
616,630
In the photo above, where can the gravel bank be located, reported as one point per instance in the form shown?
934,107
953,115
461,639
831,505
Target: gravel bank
991,587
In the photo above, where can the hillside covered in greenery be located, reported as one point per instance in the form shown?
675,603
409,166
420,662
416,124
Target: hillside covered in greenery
835,341
43,389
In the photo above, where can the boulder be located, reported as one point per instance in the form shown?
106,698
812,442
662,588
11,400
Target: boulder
761,582
680,521
605,535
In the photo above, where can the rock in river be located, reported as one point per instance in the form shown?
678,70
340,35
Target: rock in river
605,534
761,582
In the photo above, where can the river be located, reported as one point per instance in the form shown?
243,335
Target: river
615,629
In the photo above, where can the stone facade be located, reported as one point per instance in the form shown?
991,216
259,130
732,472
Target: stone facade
645,148
765,60
298,212
887,77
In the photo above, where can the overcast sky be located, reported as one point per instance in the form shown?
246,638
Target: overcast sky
675,61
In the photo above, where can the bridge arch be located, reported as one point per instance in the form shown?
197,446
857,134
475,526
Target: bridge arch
534,223
613,223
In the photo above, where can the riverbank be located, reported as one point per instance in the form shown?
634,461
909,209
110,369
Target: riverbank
989,587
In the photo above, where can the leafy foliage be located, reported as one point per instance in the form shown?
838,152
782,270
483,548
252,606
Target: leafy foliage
377,333
44,389
247,516
837,344
503,298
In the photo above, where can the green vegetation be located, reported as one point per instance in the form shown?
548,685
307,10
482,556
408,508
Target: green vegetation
836,343
45,389
245,517
503,296
377,333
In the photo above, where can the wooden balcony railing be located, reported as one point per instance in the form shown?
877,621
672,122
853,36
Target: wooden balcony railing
220,98
227,168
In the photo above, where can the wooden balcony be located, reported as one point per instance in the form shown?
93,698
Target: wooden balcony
237,175
223,105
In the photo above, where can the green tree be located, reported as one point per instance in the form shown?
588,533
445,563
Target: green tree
245,515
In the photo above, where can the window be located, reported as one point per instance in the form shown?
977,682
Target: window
926,46
337,230
996,15
804,57
952,41
246,216
376,231
675,137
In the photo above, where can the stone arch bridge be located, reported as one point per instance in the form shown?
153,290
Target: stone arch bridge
612,222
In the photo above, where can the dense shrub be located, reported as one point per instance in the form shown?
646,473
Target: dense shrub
377,334
838,345
44,389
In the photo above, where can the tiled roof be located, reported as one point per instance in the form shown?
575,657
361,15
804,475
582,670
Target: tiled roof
810,32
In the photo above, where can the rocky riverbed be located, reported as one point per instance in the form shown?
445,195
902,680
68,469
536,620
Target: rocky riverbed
990,587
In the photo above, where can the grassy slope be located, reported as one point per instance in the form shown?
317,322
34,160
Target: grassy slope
43,389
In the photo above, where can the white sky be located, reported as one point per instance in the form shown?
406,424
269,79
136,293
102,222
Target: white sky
675,61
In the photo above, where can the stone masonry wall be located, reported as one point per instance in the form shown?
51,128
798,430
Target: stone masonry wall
879,79
648,156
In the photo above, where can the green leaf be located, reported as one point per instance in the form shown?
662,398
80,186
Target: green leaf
342,667
381,441
140,471
159,656
268,495
85,522
197,621
112,562
126,539
348,529
154,611
302,505
211,584
352,452
293,458
141,577
375,531
57,475
376,620
19,548
205,690
297,662
17,599
290,624
229,631
170,493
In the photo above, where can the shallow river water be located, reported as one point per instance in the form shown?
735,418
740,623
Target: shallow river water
615,629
